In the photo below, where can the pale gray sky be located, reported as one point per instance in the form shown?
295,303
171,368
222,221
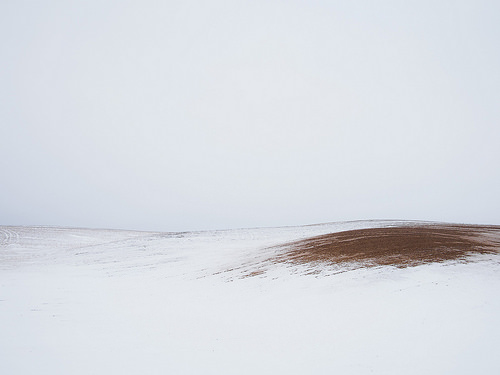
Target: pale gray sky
180,115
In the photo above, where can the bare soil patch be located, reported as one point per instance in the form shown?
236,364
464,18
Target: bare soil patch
402,246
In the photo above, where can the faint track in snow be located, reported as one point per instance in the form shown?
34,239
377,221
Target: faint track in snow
8,236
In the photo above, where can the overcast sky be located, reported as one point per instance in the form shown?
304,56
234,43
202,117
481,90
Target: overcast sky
186,115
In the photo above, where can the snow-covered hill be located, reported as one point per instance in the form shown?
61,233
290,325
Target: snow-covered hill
85,301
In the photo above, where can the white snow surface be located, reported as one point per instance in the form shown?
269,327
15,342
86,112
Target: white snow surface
87,301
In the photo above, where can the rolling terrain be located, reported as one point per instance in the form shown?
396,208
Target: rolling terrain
383,297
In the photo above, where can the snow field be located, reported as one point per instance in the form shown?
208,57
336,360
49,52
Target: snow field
105,302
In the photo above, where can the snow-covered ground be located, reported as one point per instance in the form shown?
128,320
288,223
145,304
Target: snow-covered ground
82,301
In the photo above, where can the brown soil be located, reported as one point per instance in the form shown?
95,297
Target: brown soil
393,246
